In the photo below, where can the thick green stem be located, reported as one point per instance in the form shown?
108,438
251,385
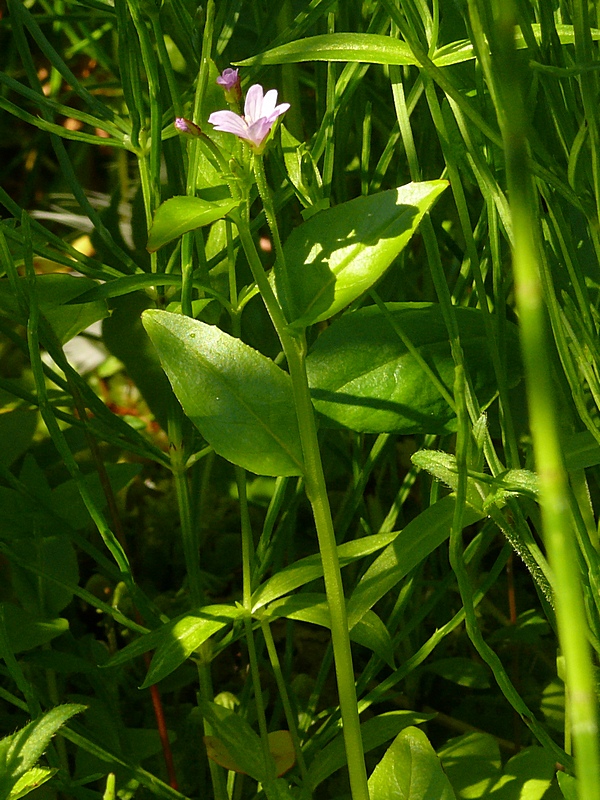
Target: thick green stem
545,425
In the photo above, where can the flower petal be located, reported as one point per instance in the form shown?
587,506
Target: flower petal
269,102
229,122
277,112
259,130
253,104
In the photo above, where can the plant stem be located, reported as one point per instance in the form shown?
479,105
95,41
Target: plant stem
554,493
294,347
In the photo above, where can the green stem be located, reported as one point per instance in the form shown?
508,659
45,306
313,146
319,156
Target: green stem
285,698
294,347
554,494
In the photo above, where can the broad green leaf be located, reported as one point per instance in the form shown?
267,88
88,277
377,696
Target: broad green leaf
239,739
26,631
56,556
581,450
179,215
32,779
313,607
527,776
67,502
17,428
125,337
472,763
54,293
281,748
463,671
166,636
339,253
239,400
411,545
310,568
410,770
185,636
20,751
374,732
362,375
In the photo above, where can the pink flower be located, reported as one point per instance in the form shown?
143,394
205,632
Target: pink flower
230,81
187,127
260,112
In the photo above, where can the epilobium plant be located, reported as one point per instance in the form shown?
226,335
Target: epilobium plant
337,515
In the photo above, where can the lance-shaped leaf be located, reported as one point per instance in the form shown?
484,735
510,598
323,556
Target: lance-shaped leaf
338,254
239,400
182,214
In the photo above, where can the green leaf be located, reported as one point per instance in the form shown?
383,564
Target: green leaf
125,337
239,739
371,48
367,47
178,633
179,215
54,293
20,751
527,776
26,631
185,636
410,770
56,556
17,428
472,763
411,545
67,502
374,732
310,568
312,607
239,400
568,786
362,375
32,779
339,253
463,671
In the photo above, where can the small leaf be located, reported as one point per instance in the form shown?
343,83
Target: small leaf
32,779
240,401
310,568
337,254
194,624
237,742
410,770
22,749
281,748
185,636
179,215
312,607
374,732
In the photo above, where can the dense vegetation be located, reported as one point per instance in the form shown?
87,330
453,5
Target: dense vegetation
299,475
